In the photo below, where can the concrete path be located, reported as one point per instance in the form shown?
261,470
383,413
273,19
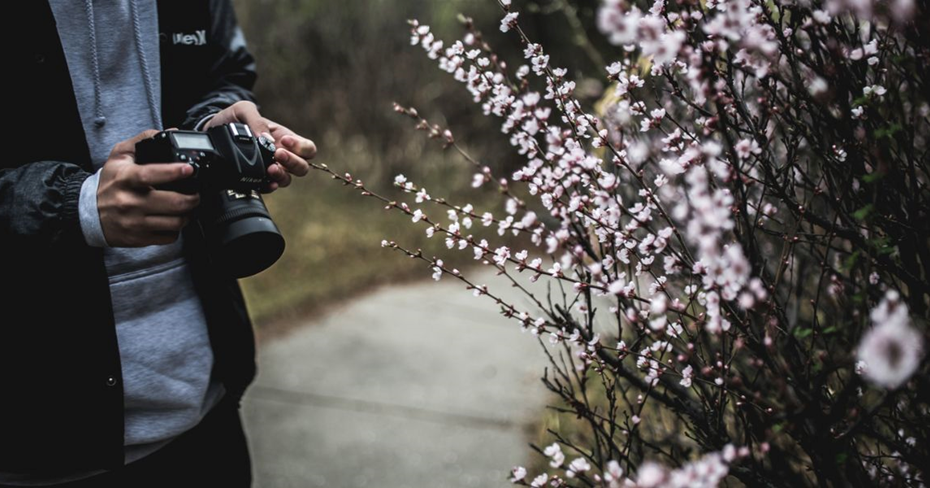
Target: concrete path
414,386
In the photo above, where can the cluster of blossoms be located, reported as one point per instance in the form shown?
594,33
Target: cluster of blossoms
707,472
745,214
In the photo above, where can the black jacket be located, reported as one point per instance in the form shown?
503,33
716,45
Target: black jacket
61,397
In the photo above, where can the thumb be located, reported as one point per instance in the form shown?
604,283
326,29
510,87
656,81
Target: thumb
129,145
148,175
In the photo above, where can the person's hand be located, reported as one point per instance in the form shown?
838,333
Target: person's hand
293,151
132,212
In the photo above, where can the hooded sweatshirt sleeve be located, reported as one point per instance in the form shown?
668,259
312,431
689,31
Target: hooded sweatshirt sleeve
39,202
232,72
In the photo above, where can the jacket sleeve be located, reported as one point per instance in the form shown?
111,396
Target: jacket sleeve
232,73
39,203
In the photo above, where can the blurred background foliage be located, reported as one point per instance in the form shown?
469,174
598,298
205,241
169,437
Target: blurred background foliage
331,70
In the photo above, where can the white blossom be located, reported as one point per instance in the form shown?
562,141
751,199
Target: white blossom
555,454
892,348
686,375
578,465
540,481
509,21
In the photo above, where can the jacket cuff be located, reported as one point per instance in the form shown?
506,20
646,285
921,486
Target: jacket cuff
69,215
201,112
88,214
203,121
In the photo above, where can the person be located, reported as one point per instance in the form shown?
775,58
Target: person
124,352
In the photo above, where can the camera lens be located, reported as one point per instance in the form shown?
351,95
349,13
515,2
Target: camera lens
242,239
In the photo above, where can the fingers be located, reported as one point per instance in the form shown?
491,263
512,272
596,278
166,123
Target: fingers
301,146
148,175
128,223
270,187
144,218
279,176
293,163
161,224
149,238
293,152
162,238
170,203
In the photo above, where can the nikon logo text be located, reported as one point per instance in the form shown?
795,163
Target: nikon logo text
198,38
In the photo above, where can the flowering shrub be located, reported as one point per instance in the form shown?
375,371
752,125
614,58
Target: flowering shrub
740,232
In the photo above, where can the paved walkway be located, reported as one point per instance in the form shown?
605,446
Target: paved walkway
414,386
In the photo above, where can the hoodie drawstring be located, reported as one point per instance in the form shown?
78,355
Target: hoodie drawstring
143,61
99,119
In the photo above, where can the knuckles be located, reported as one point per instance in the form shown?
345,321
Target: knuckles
124,203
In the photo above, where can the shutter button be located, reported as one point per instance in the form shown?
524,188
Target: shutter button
111,381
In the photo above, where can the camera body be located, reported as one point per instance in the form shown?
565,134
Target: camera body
230,168
224,157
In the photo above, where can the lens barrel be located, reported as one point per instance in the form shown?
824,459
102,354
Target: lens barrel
242,240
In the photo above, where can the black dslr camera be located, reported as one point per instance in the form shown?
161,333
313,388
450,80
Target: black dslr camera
230,167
